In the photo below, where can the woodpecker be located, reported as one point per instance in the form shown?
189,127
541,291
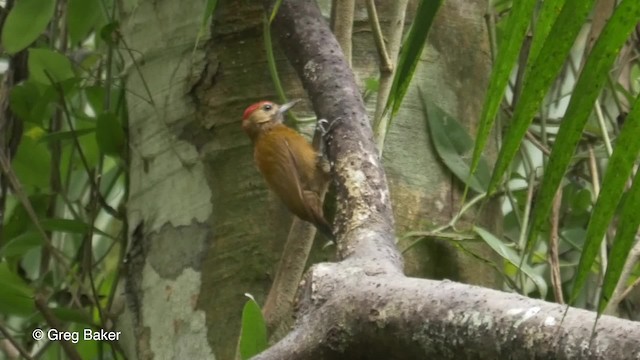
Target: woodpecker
288,162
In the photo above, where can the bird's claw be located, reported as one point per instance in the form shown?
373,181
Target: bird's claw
325,127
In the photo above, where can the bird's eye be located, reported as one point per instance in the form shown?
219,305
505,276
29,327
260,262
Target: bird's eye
267,107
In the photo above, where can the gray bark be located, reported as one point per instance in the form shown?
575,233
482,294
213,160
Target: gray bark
347,313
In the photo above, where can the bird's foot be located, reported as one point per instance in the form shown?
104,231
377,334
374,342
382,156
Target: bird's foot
325,127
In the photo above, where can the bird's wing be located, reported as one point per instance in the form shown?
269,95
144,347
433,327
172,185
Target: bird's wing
292,165
281,168
278,165
312,202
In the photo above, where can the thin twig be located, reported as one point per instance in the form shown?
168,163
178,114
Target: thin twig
88,256
452,223
490,20
51,319
7,335
635,284
529,135
92,182
522,66
603,128
386,66
595,182
620,293
554,261
26,203
531,184
343,26
394,37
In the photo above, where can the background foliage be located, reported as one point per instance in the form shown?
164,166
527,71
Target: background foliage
63,131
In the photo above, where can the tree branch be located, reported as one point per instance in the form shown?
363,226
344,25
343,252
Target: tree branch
278,306
391,317
363,307
343,12
394,35
364,216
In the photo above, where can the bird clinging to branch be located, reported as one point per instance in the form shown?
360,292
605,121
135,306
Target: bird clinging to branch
288,162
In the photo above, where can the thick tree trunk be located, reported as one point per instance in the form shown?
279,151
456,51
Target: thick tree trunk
170,205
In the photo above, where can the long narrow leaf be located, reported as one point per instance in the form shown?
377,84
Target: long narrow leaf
618,171
209,10
623,242
271,59
517,25
538,79
271,62
274,12
588,87
547,16
410,52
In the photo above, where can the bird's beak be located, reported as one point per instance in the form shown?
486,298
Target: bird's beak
285,107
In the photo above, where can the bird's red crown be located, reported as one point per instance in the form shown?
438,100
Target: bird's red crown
253,107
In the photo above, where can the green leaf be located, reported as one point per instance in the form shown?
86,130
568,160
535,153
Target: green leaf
547,16
516,29
90,149
623,242
25,101
253,335
96,95
82,16
70,226
634,77
66,135
274,12
65,225
208,12
19,245
32,163
108,33
453,145
45,63
538,79
16,297
511,256
271,60
615,177
26,21
411,51
372,84
17,220
73,315
109,134
588,86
